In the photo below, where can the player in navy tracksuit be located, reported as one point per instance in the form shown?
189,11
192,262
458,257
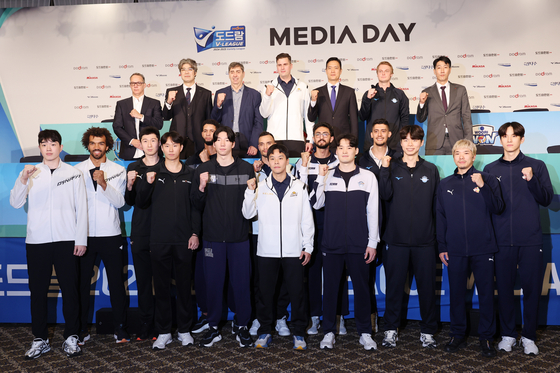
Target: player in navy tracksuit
466,200
525,185
351,233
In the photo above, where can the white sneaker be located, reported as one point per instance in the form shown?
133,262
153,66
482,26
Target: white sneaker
506,344
529,346
254,330
38,347
315,325
263,341
282,327
70,346
368,342
185,338
162,341
328,341
341,327
390,339
428,340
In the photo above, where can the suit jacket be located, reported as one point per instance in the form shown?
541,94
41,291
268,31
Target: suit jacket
344,117
124,125
457,118
250,119
198,111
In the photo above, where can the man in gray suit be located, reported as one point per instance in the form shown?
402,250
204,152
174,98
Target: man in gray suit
446,105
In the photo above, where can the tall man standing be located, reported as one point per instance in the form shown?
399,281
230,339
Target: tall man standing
385,101
446,106
188,105
525,185
105,185
334,103
134,113
237,106
284,103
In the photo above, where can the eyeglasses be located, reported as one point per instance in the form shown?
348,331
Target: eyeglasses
136,83
322,134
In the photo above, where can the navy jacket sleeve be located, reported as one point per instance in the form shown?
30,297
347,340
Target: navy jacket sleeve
257,121
404,110
198,198
144,191
540,185
492,193
365,109
385,183
441,222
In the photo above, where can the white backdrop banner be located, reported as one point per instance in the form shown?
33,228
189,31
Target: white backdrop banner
71,64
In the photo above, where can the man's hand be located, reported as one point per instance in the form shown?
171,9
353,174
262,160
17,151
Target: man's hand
305,156
314,95
386,161
252,151
527,173
99,177
371,93
150,177
131,176
220,99
257,165
204,157
444,257
423,97
269,89
136,143
252,184
28,170
323,169
193,242
305,256
203,181
369,256
79,250
308,147
135,114
477,179
171,97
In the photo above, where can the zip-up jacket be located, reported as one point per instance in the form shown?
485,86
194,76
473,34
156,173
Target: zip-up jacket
391,105
366,161
520,223
286,114
351,213
141,217
57,206
464,222
410,196
173,220
286,227
222,200
104,205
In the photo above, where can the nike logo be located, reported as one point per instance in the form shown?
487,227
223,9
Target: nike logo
450,191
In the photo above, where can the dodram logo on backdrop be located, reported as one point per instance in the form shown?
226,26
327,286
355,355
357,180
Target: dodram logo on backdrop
234,38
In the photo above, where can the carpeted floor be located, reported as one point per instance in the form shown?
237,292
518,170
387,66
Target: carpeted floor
102,354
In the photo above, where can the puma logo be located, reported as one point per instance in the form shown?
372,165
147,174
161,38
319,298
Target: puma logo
450,191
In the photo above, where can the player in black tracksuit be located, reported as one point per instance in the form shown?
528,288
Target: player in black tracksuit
466,241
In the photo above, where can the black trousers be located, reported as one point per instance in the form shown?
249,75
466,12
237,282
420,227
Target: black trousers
40,261
176,260
110,250
140,248
199,281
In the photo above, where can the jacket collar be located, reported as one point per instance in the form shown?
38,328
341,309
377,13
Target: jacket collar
517,159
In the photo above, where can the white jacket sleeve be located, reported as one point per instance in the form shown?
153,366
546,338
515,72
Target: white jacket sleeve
249,208
373,214
80,203
18,195
317,197
115,194
267,102
307,224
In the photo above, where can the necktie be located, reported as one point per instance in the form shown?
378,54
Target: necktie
188,96
444,98
333,96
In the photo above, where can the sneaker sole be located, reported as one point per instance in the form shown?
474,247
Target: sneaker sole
241,343
284,333
37,356
429,345
216,339
263,346
325,346
300,348
83,342
388,345
160,349
368,348
77,353
313,332
201,329
504,349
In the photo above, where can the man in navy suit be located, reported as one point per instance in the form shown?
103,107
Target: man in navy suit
134,113
335,103
237,107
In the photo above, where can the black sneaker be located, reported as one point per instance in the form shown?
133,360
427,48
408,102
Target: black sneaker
243,337
212,336
201,325
144,332
487,349
121,336
234,326
455,344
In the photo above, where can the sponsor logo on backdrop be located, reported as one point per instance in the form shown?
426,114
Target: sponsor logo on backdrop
389,58
80,87
414,57
104,86
465,76
170,84
504,107
104,106
255,72
414,98
543,52
148,65
315,60
490,76
317,35
414,77
233,38
267,62
478,107
159,94
465,55
209,74
517,96
304,71
92,96
318,80
151,85
351,70
490,54
530,63
92,77
81,107
114,96
402,67
484,134
488,97
531,84
171,65
364,79
124,86
115,76
556,105
80,68
543,74
126,66
529,106
543,94
479,86
426,67
478,66
219,83
554,84
92,116
161,75
516,75
504,86
103,67
516,54
219,63
504,64
404,88
363,59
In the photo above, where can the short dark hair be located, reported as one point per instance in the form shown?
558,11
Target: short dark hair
334,59
444,59
227,130
280,147
416,132
265,133
284,55
97,132
149,131
174,136
518,129
353,140
52,135
380,121
235,64
323,124
140,75
213,122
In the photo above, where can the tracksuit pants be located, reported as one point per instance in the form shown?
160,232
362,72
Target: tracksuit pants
199,281
140,248
530,262
40,260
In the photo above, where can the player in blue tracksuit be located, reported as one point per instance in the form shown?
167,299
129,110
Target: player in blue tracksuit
350,237
466,201
525,185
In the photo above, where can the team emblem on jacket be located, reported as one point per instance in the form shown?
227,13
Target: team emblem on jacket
394,100
213,179
162,180
476,190
361,184
398,177
424,179
294,194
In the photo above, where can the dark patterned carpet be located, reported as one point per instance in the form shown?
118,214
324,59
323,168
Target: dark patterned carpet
102,354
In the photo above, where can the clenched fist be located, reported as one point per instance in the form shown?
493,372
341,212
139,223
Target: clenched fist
252,184
171,97
203,181
99,177
28,170
314,94
220,100
269,89
150,177
423,97
371,93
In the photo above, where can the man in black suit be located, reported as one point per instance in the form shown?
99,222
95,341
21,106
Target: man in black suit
335,103
134,113
188,105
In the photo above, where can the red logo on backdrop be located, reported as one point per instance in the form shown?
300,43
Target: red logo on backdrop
114,96
413,98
